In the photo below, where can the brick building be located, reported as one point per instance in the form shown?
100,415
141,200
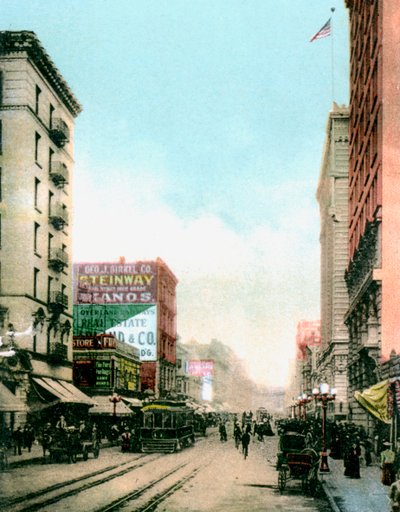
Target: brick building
136,302
373,270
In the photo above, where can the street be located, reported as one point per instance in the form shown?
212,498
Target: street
210,476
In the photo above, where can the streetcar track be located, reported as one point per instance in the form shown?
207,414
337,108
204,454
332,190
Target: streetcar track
138,492
55,487
160,497
67,494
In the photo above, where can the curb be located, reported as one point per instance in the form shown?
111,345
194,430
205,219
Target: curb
330,498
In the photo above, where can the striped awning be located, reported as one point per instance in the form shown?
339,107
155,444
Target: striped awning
105,407
63,390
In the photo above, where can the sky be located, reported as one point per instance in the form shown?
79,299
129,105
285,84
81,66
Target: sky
200,142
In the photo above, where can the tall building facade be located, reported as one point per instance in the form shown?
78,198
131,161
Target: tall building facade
136,302
37,115
373,270
332,196
308,336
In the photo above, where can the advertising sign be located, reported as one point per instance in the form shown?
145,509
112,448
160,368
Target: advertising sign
135,324
93,343
201,368
115,283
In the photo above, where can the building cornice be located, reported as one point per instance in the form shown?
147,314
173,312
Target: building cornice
14,43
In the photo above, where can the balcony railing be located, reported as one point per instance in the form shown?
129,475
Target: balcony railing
59,132
59,173
58,259
58,216
58,351
58,300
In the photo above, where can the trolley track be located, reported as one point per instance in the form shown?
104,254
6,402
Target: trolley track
55,487
30,503
154,500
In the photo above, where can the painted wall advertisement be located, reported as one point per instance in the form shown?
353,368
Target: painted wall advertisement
115,283
135,324
201,368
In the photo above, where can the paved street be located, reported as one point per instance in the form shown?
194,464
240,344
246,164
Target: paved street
225,481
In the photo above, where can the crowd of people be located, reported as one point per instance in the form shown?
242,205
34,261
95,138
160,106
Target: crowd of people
246,429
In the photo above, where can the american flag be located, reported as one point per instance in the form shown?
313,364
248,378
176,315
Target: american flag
325,31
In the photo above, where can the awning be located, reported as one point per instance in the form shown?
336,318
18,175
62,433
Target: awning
105,407
65,391
133,402
374,400
9,402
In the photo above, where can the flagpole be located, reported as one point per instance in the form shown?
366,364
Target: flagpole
332,58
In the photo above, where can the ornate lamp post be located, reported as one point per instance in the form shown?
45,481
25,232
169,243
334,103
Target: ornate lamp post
304,400
323,396
115,399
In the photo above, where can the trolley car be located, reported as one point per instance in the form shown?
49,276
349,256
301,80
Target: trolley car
168,426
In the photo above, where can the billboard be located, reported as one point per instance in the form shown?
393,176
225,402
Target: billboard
201,368
115,283
134,324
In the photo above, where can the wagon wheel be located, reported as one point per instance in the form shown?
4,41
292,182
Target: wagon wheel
313,482
282,477
85,453
304,484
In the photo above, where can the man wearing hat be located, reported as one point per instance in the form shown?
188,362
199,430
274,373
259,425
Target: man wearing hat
387,464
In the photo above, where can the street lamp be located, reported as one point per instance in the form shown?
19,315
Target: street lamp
323,396
304,400
115,399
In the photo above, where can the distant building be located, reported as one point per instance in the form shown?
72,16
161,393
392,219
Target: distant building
187,385
373,270
332,196
37,114
103,366
136,302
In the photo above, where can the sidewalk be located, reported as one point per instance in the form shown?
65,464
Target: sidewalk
35,456
352,495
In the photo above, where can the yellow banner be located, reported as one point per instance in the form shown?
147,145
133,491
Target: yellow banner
374,400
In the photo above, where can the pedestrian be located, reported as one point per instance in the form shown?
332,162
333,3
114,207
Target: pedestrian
387,464
368,451
394,496
125,440
222,432
245,442
29,436
353,461
61,423
18,439
237,434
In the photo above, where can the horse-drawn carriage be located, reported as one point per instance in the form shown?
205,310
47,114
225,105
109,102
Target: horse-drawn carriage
68,444
297,462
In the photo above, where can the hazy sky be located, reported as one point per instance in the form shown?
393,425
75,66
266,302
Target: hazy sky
200,142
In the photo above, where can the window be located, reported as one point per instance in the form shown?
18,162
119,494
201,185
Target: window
37,99
51,112
36,198
35,237
51,153
51,195
49,281
35,281
50,245
37,141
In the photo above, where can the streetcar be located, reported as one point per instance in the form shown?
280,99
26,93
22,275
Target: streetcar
168,426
